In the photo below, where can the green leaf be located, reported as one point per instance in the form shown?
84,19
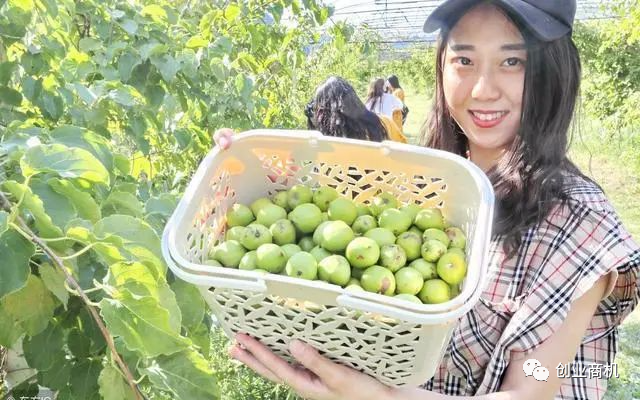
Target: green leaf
126,63
155,12
190,301
66,162
31,307
142,323
163,204
10,96
32,88
78,343
51,105
167,65
122,203
185,374
122,163
232,12
74,136
16,252
33,205
6,72
130,26
9,331
133,236
196,42
85,205
52,339
200,335
152,49
113,386
56,378
86,94
58,207
4,222
53,278
88,44
84,379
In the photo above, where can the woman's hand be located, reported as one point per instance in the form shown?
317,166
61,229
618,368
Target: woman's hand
316,379
222,138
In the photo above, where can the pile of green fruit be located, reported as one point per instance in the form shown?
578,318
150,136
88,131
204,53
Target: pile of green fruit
405,251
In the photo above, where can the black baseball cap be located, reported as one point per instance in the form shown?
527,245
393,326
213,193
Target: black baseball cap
547,19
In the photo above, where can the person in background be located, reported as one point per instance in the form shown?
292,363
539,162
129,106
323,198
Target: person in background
336,110
382,103
393,85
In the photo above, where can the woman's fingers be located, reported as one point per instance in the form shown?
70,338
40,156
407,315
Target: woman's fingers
222,137
250,361
332,374
299,379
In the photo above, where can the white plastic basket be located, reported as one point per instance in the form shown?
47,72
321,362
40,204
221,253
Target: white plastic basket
397,342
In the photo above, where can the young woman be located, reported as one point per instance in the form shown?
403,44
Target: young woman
563,270
393,86
336,110
383,103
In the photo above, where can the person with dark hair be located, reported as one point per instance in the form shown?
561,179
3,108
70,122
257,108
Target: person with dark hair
336,110
393,86
563,271
383,103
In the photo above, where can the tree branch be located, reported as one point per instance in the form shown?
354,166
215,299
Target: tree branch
4,202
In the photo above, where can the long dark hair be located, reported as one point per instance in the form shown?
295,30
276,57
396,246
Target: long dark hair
394,82
529,179
376,90
336,110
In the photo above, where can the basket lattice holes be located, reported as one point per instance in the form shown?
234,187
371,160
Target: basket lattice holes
376,345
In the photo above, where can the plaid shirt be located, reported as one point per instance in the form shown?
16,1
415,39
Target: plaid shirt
528,297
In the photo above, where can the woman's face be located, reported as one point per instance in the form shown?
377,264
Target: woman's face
483,77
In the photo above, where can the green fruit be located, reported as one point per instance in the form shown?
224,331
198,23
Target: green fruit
325,216
255,235
363,209
356,273
392,257
382,236
283,232
455,290
411,210
435,291
239,215
394,220
306,243
408,297
235,233
334,269
410,243
336,236
408,281
299,194
435,234
261,271
281,199
342,209
415,229
302,265
323,196
364,223
290,249
354,281
381,202
213,263
229,253
306,217
378,279
451,268
362,252
258,204
269,214
317,234
319,253
270,257
432,250
429,218
426,268
456,237
354,286
457,251
249,261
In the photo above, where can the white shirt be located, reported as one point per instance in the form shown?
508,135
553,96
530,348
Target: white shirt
385,105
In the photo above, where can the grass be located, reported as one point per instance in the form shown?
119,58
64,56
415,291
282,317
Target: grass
612,163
